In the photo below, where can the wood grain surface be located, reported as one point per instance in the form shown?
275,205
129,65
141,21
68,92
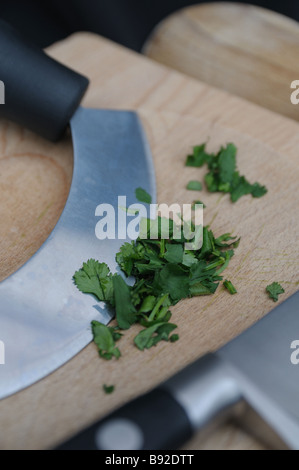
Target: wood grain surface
246,50
177,112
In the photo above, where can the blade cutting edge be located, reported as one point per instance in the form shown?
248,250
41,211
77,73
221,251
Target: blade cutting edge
44,319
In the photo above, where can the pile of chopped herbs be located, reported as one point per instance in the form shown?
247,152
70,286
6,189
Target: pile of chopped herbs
223,175
165,272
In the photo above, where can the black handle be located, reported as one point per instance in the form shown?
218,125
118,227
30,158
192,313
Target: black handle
166,417
153,421
40,93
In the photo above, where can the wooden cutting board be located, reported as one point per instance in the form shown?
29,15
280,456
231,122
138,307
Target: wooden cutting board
178,112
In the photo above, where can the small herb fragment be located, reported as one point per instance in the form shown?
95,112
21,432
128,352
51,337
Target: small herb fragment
230,287
223,175
108,389
153,334
194,186
199,156
173,338
274,290
126,313
105,338
143,196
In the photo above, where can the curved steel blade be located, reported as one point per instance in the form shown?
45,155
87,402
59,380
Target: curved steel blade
44,319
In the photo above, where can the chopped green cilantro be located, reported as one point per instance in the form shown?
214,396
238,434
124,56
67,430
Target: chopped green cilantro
274,290
105,338
153,334
108,389
165,272
95,278
199,156
223,175
143,196
194,186
230,287
173,338
125,311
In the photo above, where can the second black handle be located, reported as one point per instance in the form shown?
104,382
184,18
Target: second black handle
152,421
166,417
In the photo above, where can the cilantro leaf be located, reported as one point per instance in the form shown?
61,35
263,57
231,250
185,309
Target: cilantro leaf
105,338
173,338
274,290
199,288
194,186
211,182
174,253
153,334
257,190
199,156
172,279
148,304
126,313
189,258
143,196
230,287
108,389
240,187
227,164
95,278
129,252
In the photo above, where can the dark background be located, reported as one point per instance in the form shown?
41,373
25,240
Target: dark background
128,22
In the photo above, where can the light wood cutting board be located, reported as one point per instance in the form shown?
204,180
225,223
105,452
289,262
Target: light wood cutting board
177,112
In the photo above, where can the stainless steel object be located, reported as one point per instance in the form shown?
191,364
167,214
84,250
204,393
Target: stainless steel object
254,368
44,319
